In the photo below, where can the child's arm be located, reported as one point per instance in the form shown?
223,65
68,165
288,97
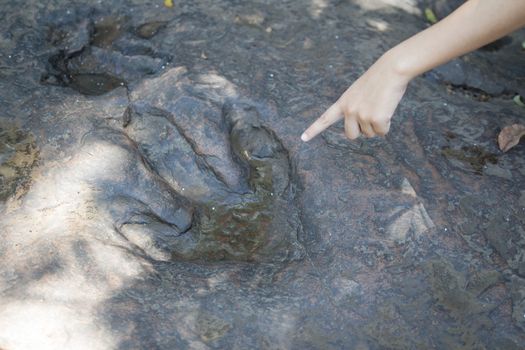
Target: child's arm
368,105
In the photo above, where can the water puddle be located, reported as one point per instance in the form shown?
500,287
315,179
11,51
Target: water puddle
149,30
94,84
99,56
107,31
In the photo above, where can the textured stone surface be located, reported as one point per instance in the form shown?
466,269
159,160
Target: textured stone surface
155,193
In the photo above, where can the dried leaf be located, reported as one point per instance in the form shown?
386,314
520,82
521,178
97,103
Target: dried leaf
430,16
510,136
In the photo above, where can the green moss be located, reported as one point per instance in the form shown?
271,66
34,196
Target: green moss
475,156
18,155
430,16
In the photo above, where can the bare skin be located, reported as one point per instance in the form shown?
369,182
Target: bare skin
368,105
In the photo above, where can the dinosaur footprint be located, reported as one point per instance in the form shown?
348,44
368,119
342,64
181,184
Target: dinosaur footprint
218,156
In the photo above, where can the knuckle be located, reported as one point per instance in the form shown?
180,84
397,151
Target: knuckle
363,120
348,111
368,132
369,119
323,121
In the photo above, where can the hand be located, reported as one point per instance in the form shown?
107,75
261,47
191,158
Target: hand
368,105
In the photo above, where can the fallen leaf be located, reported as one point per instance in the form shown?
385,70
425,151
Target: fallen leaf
168,3
518,100
254,19
430,16
510,136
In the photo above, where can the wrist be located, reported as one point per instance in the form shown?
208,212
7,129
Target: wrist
398,66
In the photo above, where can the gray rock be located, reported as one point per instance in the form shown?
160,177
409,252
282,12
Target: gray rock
155,194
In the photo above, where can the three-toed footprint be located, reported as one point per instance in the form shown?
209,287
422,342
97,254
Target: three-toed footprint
215,155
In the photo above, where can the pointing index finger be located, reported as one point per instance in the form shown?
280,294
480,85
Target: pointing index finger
332,114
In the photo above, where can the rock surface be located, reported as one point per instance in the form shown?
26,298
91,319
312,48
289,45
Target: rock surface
155,193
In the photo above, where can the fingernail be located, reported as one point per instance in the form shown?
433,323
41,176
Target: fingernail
304,137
